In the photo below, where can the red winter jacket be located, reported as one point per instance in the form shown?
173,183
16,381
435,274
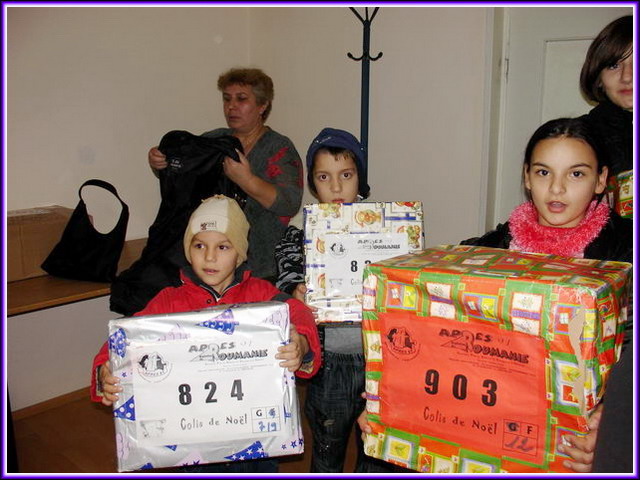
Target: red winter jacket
191,296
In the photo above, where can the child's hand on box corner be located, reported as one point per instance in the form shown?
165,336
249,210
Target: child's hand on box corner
293,352
581,449
109,386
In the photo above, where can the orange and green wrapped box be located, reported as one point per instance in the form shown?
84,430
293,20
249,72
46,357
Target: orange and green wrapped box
620,193
482,359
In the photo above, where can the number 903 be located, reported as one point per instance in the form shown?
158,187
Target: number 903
459,387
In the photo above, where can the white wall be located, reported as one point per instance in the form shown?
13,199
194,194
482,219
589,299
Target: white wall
91,89
429,110
427,99
49,353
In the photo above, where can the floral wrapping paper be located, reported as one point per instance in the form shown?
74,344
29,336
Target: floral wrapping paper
481,359
340,239
203,387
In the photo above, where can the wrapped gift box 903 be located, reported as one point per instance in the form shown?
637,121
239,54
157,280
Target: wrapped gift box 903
203,387
341,239
481,359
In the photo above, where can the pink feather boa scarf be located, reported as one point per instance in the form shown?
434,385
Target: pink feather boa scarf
527,235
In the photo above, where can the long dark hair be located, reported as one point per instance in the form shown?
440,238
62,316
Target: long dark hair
577,128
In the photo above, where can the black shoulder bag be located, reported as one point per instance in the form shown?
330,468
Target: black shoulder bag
83,253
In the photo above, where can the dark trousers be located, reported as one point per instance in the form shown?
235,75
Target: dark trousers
263,465
332,406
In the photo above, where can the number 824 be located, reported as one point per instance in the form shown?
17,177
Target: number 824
185,395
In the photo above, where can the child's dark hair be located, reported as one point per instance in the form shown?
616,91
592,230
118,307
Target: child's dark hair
363,188
612,45
577,128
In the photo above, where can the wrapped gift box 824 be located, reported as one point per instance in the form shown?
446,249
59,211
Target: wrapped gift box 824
481,360
203,387
341,239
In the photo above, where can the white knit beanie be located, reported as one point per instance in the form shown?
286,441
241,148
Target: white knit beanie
219,214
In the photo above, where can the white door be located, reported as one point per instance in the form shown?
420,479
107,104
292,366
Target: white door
543,52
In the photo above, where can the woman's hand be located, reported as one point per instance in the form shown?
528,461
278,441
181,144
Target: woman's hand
294,351
110,385
581,448
238,172
261,191
157,159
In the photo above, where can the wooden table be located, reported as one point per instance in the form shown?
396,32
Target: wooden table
32,294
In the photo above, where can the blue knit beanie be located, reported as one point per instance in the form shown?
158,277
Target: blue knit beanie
333,137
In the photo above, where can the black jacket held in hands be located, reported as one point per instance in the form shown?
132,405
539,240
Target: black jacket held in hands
194,172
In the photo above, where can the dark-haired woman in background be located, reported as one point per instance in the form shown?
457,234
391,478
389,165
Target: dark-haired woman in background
607,79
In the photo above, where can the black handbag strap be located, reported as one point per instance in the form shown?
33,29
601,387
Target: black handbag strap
124,212
101,183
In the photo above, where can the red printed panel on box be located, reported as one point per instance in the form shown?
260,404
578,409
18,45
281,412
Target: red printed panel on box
472,384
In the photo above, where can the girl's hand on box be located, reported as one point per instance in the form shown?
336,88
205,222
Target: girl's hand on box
362,421
581,448
110,385
294,351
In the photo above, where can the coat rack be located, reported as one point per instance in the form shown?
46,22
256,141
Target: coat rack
365,58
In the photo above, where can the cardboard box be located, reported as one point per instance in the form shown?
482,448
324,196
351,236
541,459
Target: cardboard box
480,359
340,239
31,235
620,193
203,387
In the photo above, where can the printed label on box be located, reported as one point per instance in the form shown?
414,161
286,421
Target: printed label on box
347,256
472,384
188,393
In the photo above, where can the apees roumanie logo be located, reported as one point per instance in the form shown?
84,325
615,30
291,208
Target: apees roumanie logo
152,367
401,343
480,344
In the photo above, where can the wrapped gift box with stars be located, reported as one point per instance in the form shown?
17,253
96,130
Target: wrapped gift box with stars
203,387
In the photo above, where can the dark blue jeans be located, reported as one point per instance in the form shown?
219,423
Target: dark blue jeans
263,465
332,406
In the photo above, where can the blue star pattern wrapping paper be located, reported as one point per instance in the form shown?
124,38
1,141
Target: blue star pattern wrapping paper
203,387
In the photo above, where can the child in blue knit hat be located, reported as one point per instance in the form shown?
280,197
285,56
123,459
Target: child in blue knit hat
336,173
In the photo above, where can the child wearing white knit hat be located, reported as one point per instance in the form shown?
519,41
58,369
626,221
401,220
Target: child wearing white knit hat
215,244
215,241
